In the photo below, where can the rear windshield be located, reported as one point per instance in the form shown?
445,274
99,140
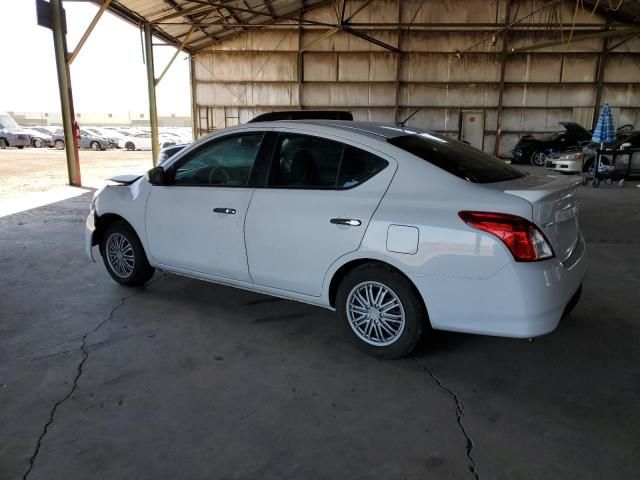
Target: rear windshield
457,158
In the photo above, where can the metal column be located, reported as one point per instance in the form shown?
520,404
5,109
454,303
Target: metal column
151,84
66,98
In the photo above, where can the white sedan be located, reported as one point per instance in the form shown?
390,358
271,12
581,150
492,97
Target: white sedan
142,141
399,230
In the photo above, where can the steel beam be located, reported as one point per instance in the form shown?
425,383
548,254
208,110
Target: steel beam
195,117
178,50
66,97
503,69
87,33
602,61
610,33
151,85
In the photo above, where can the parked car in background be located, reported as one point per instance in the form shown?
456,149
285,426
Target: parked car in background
534,150
167,152
142,141
396,229
86,140
47,133
112,136
39,139
135,141
582,159
11,134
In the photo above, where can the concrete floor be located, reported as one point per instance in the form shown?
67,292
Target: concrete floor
183,379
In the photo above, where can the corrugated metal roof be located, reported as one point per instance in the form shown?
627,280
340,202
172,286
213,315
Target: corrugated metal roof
195,24
198,23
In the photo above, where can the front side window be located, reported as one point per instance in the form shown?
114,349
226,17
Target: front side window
303,161
226,162
457,158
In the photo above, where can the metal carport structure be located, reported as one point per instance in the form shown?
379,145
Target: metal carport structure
523,65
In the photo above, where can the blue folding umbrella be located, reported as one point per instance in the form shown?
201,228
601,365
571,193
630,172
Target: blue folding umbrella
604,132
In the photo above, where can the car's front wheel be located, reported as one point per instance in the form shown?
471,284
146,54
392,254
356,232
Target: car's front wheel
537,159
95,146
124,256
59,144
381,311
130,146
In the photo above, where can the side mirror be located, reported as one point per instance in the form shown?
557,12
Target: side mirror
155,176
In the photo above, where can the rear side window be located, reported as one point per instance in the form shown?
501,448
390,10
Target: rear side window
304,161
457,158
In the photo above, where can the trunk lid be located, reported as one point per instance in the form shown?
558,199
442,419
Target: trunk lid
555,207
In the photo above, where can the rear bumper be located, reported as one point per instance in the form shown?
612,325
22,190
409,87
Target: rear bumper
522,300
89,229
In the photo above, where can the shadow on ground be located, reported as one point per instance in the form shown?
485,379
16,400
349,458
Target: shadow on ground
183,379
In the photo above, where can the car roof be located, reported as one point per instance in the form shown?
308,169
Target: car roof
302,115
377,130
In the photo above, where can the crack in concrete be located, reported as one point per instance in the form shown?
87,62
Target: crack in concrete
459,415
85,357
74,387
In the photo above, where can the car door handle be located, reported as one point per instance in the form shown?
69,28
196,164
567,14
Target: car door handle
351,222
226,211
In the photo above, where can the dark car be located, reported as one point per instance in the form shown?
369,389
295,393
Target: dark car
167,152
303,115
534,150
86,140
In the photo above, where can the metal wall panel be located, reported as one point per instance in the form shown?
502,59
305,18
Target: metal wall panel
263,70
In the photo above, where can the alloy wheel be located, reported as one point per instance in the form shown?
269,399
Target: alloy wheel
538,159
375,313
120,255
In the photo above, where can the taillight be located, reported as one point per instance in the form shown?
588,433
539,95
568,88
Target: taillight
524,240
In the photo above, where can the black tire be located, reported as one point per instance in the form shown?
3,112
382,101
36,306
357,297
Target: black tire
140,272
59,144
537,158
95,146
573,302
20,147
130,146
415,316
37,143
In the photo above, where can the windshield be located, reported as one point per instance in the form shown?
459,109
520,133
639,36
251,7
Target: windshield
552,136
8,122
457,158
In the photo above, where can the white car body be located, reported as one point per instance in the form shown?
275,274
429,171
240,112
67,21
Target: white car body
282,243
142,141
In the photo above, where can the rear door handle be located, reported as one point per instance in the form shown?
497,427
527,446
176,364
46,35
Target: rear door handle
351,222
226,211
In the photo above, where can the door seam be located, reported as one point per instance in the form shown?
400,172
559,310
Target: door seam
244,235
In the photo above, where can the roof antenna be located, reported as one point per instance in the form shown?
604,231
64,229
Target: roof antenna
402,123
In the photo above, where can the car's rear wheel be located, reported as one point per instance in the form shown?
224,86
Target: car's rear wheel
537,159
124,256
37,142
130,146
20,147
59,144
95,146
381,311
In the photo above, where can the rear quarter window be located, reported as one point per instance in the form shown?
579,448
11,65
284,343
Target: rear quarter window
457,158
